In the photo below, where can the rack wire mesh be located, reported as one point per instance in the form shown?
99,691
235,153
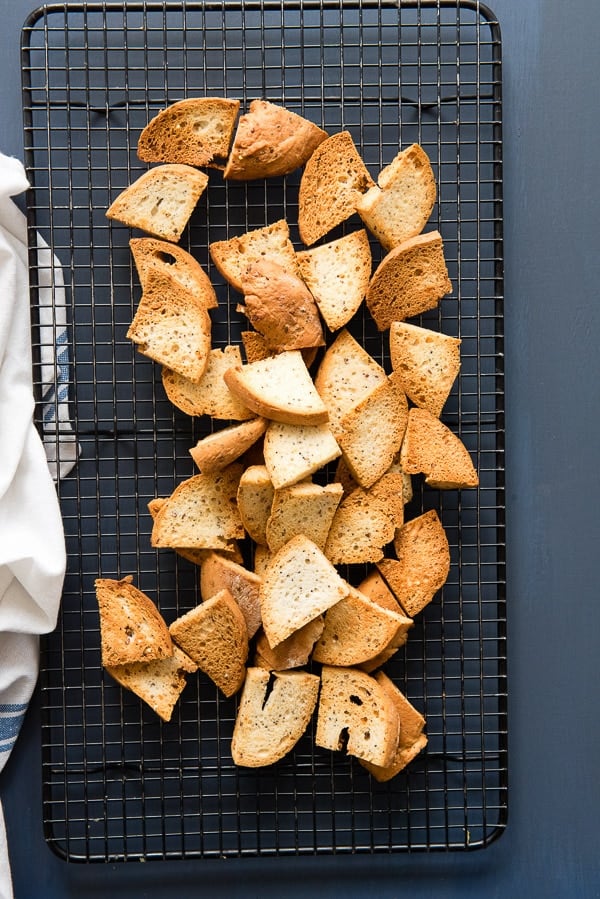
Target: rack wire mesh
118,783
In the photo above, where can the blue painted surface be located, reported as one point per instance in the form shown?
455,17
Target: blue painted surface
552,321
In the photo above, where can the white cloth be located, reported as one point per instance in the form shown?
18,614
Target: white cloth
32,548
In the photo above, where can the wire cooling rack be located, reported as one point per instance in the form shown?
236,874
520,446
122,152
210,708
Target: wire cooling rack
118,783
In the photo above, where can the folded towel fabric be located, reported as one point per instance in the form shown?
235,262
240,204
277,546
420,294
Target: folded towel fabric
32,550
58,435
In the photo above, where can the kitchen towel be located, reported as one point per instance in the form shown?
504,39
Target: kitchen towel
32,546
58,435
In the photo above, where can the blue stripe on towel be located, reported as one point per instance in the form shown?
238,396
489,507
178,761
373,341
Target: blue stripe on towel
59,391
11,719
48,411
62,361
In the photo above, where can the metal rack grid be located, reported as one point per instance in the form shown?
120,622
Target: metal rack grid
118,783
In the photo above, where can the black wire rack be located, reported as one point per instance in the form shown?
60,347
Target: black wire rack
117,783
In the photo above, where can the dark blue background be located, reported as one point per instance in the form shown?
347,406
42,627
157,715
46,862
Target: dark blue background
551,848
